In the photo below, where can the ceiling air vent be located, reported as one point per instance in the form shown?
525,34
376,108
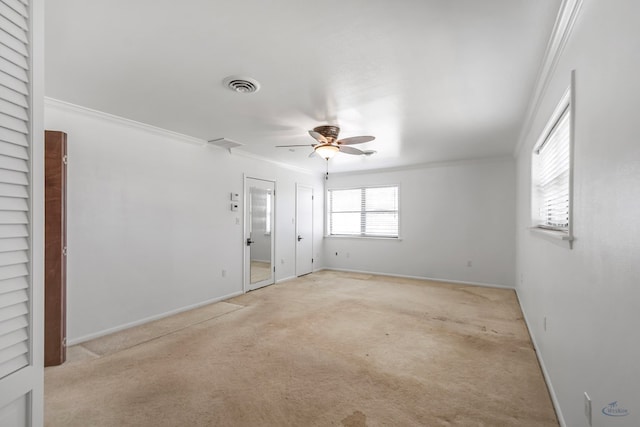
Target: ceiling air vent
225,143
242,84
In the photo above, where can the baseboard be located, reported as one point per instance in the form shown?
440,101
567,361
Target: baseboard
545,373
434,279
286,279
104,332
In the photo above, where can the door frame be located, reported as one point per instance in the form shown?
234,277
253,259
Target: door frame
245,217
298,185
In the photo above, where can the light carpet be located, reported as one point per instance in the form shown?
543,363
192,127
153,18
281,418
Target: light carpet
327,349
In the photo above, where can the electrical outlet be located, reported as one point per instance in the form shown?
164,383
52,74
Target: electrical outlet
348,255
587,407
237,221
282,261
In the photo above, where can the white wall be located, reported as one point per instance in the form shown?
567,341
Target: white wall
449,214
591,294
149,222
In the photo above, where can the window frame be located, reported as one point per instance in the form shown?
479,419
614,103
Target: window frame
361,235
566,105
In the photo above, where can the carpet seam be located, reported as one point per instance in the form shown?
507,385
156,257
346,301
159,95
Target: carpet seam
168,333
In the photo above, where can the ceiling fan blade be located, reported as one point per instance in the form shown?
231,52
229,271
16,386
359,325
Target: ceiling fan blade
356,140
297,145
318,137
313,153
351,150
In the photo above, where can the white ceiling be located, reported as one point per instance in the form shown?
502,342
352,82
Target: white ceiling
433,80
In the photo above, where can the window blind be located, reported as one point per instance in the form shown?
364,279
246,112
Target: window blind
14,187
366,212
552,179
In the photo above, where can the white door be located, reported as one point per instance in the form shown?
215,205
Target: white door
21,213
259,234
304,230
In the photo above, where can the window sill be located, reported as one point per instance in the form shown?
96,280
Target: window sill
394,239
553,234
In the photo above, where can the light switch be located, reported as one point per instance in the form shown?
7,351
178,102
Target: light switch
234,207
235,197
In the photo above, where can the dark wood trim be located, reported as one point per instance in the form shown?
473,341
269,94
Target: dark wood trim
55,238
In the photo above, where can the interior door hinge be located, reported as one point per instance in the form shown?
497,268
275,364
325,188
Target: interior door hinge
64,159
312,260
274,268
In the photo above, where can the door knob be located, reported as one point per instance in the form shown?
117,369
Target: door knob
249,241
299,237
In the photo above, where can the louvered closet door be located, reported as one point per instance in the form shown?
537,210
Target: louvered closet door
14,191
17,374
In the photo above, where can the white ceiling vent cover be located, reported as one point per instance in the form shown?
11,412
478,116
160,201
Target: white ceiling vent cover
242,84
225,143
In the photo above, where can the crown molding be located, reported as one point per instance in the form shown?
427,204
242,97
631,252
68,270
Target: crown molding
431,165
85,111
246,154
562,28
67,106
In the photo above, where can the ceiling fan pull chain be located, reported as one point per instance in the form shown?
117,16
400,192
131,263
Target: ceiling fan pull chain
326,177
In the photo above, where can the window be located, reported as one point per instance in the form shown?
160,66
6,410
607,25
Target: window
363,212
551,173
267,216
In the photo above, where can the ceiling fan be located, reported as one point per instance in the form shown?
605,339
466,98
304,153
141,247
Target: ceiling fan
329,144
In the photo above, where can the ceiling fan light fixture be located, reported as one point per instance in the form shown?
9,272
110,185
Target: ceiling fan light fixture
327,151
330,132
